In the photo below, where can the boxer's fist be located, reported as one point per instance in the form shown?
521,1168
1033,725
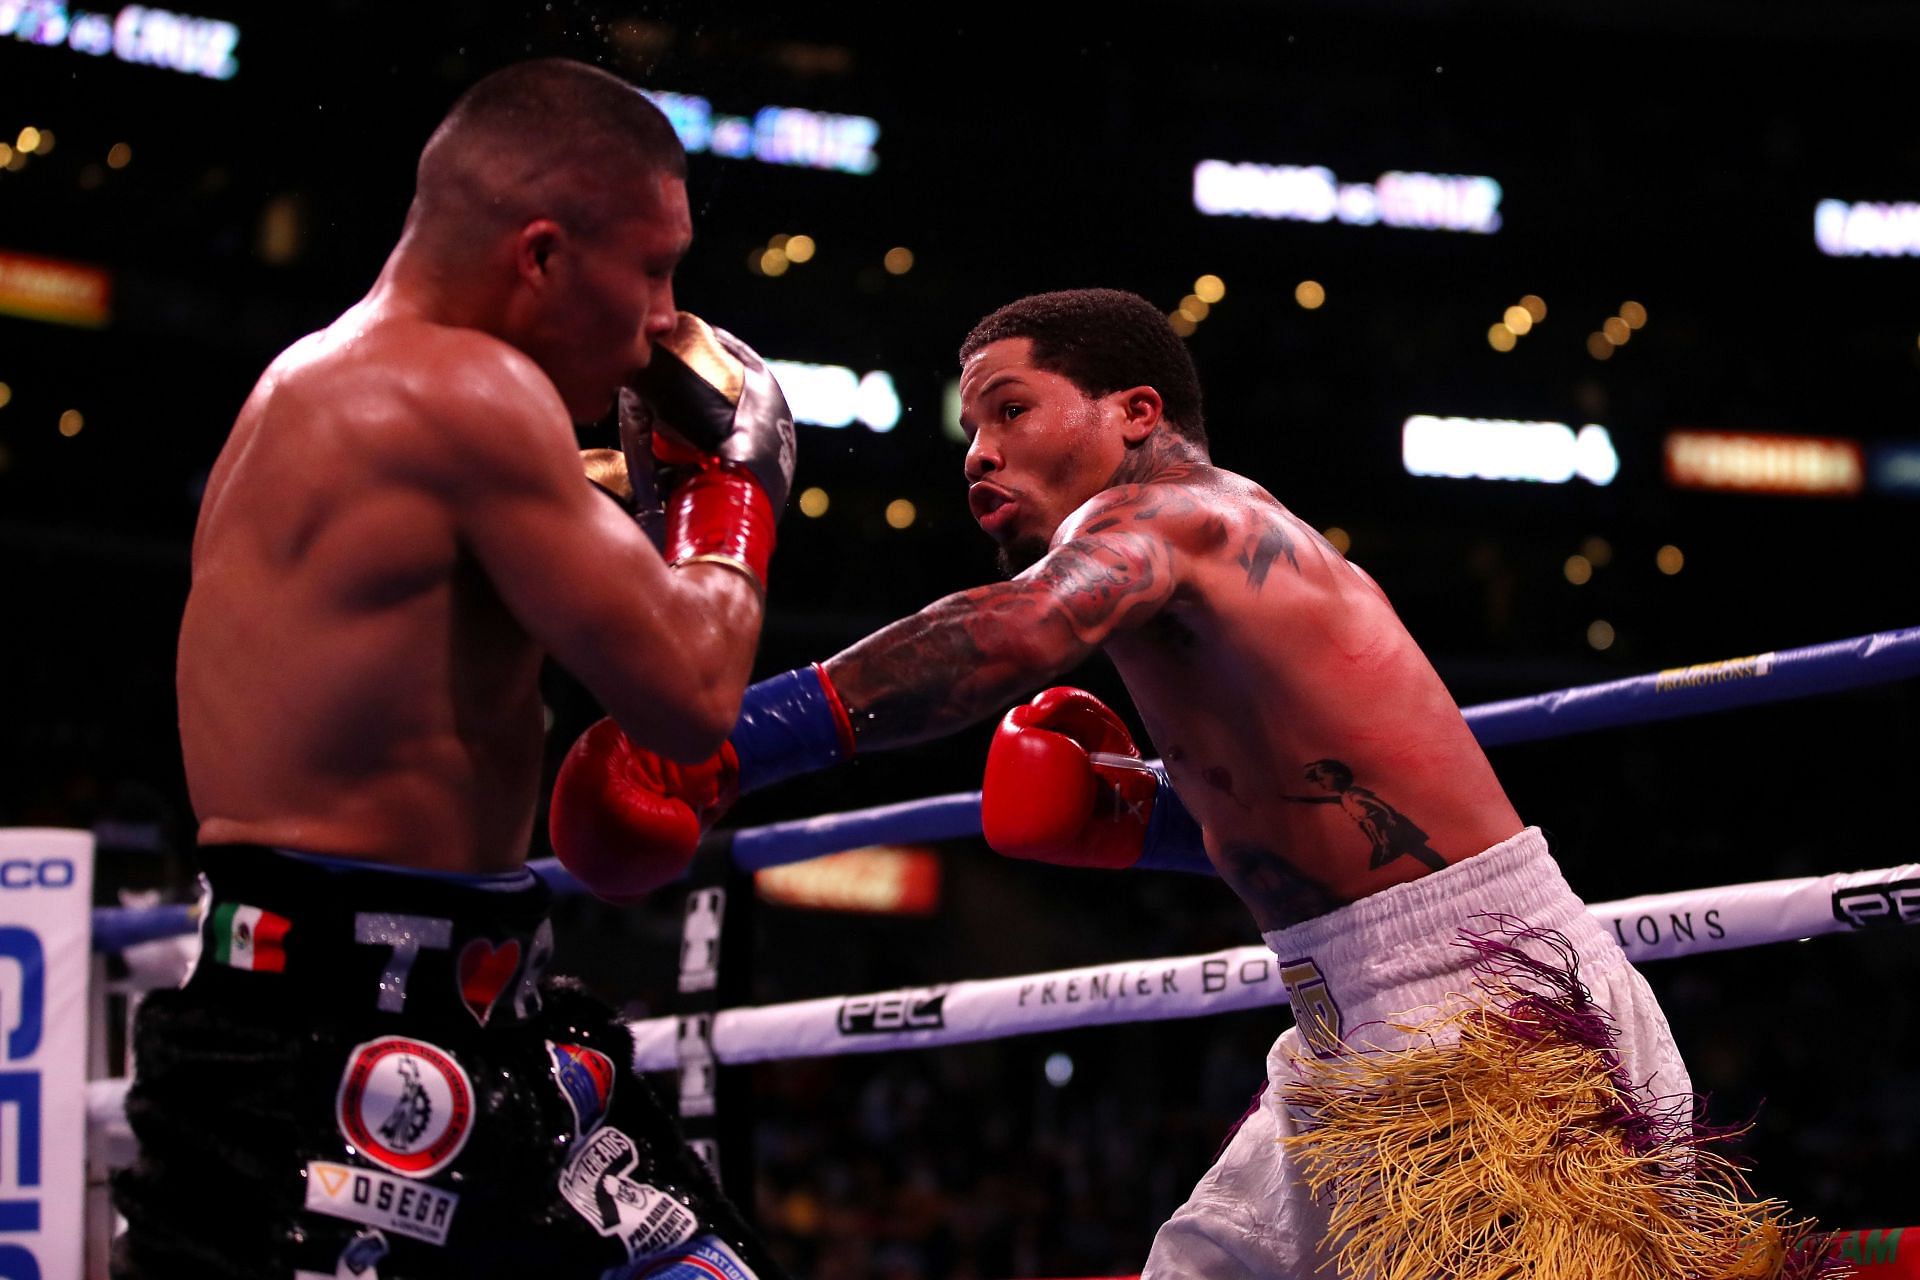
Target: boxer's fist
714,392
626,820
1065,783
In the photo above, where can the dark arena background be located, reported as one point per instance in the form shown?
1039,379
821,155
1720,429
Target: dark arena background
1688,232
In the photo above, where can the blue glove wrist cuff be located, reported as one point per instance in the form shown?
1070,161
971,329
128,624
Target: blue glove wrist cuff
789,724
1173,840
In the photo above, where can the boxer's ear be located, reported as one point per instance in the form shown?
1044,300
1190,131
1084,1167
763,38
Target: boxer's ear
534,247
1141,411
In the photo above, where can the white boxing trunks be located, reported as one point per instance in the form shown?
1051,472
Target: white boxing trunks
1436,998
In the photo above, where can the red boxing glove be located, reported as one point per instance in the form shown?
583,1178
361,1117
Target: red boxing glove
627,821
1065,784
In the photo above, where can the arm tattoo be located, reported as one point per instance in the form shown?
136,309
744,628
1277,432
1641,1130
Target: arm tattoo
965,657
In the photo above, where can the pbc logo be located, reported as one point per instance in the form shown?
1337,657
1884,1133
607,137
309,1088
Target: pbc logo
1868,906
897,1011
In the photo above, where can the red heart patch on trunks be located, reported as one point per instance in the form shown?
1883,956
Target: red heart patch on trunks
484,972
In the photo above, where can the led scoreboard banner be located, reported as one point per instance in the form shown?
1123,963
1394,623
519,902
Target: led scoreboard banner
1311,193
135,33
1500,449
789,136
1866,229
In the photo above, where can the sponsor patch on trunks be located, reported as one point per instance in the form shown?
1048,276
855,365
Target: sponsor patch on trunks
585,1077
381,1200
648,1221
707,1258
405,1104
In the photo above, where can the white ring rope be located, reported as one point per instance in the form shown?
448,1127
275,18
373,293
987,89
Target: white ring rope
1651,927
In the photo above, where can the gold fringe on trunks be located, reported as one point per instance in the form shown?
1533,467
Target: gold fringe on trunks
1506,1144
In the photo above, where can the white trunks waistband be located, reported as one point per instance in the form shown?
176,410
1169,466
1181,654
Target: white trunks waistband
1408,934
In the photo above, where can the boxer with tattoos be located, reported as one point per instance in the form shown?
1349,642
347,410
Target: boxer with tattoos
1313,754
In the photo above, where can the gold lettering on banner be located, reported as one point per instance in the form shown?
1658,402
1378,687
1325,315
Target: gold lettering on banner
1706,673
1315,1012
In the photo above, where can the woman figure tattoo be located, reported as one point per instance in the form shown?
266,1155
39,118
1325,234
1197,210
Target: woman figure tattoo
1391,832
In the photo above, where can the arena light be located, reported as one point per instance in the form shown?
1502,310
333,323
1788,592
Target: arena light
49,289
1865,229
134,33
1311,193
832,395
1500,449
1747,462
882,880
790,136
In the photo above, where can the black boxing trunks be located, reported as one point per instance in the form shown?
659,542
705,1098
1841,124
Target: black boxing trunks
369,1075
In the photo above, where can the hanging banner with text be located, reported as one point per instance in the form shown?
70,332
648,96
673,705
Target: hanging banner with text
46,895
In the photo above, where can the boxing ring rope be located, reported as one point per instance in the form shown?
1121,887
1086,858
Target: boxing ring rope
1681,924
1838,665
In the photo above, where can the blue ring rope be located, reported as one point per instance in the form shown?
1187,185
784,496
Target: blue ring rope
1881,658
1664,695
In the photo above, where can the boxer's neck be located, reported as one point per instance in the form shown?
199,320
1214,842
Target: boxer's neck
1161,456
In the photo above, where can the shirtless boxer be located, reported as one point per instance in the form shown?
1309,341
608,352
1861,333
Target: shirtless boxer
1534,1125
367,1073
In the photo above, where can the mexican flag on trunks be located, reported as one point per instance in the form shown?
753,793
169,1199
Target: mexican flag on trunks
249,937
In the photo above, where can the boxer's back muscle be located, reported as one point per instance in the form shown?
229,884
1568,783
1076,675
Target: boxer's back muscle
1299,720
349,682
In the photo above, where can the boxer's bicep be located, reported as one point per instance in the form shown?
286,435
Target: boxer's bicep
965,657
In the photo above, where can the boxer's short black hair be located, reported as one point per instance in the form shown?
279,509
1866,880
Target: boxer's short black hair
1104,340
550,117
